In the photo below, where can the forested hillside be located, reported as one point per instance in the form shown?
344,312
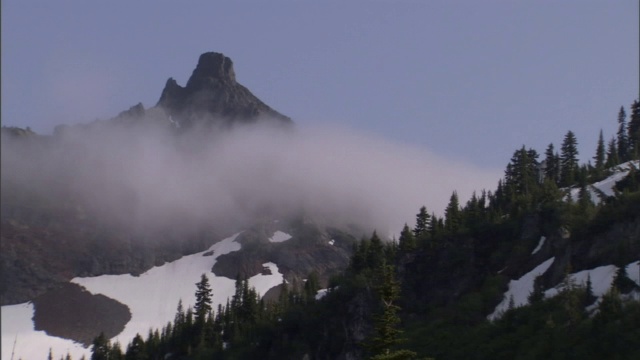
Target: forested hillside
436,291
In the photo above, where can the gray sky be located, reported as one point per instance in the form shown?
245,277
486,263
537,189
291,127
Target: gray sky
470,80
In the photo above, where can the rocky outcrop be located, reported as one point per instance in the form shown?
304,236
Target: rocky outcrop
71,312
213,97
310,249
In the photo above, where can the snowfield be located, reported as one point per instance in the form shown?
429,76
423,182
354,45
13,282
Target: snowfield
540,245
601,280
606,185
151,297
519,289
279,236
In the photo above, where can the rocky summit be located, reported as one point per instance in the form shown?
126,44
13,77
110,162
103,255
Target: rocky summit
214,97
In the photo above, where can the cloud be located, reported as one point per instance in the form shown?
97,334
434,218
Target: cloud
148,177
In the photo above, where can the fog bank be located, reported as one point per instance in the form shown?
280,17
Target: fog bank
148,176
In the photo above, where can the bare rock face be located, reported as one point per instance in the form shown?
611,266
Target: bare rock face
71,312
213,97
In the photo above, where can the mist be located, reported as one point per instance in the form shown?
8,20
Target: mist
148,177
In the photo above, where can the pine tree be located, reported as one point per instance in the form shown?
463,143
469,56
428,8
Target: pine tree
452,213
584,201
634,131
537,294
407,241
375,256
136,349
552,164
386,325
203,299
623,139
612,154
311,286
622,282
116,352
569,160
599,158
422,222
100,348
589,297
521,172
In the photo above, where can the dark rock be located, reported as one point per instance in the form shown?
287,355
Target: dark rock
213,97
71,312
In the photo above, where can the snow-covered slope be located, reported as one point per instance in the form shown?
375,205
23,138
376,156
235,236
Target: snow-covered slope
151,297
279,236
519,289
601,280
606,186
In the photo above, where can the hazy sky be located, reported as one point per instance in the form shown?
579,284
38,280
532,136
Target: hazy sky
471,80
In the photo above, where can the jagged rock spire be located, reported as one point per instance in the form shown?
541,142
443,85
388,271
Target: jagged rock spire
212,95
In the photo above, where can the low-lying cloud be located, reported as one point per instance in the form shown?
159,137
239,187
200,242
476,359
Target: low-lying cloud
149,177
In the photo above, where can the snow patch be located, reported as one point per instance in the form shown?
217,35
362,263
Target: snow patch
519,289
321,293
279,236
601,279
606,186
540,244
151,297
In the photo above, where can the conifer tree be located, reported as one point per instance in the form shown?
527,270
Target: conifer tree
115,353
634,131
589,297
100,348
537,294
612,154
386,325
433,225
407,241
422,222
599,158
552,164
520,175
623,138
569,159
584,200
311,286
452,213
375,256
203,299
136,349
622,282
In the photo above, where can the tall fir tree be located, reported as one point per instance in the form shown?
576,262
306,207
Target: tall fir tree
612,154
599,158
634,131
203,299
100,348
552,164
407,241
136,349
452,213
386,325
375,255
521,172
569,160
623,138
422,222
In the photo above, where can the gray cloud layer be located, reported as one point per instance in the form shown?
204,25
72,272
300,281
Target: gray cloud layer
147,177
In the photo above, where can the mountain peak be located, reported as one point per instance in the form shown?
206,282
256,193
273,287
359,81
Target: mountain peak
212,66
212,95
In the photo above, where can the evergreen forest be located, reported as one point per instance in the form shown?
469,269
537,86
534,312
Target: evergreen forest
427,294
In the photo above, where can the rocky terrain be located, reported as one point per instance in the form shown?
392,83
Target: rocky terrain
51,234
